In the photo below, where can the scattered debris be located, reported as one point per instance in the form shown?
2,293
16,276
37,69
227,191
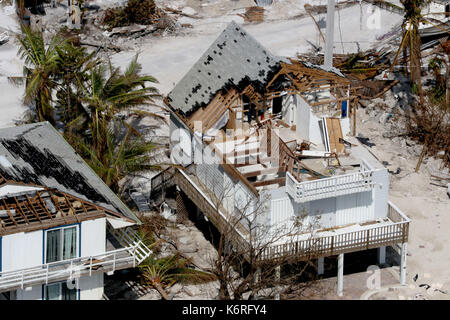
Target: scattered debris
4,38
365,141
136,11
253,14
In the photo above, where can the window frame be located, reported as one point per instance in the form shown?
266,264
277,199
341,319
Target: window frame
61,237
60,287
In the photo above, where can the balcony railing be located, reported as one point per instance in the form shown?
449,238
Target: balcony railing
329,187
110,261
316,246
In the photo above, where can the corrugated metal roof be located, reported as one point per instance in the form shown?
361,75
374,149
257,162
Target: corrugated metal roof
234,58
40,155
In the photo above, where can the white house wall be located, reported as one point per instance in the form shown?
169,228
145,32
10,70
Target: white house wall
354,208
93,237
381,193
334,211
32,293
91,288
303,119
288,109
22,250
307,124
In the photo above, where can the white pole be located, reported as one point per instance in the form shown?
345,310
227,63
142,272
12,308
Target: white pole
320,268
328,61
403,264
381,253
277,277
258,275
340,276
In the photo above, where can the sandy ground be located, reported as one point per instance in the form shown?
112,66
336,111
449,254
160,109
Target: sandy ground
427,206
169,58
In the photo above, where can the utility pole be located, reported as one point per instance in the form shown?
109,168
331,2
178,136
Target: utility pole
328,61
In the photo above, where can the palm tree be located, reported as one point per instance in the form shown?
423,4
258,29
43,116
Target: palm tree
123,156
107,92
166,271
72,63
39,71
411,41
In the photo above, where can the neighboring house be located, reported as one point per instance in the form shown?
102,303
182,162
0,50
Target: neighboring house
61,227
279,129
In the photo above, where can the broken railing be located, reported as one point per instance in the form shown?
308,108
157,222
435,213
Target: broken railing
72,268
329,187
314,247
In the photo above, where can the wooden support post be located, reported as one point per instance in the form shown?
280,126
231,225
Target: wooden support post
258,275
277,279
403,264
381,255
320,268
354,116
340,275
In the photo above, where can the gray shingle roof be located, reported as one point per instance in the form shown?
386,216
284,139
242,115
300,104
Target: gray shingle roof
234,58
38,154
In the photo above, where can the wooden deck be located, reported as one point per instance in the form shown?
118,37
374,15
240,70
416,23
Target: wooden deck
390,233
205,201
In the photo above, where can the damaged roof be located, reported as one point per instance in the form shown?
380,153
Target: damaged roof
38,154
234,58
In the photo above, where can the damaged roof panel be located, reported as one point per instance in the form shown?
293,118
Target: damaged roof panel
234,57
39,155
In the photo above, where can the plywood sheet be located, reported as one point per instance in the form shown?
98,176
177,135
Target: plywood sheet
334,133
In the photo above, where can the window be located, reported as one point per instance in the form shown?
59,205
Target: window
61,244
59,291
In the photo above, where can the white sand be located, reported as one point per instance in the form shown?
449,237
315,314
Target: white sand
427,205
11,107
169,58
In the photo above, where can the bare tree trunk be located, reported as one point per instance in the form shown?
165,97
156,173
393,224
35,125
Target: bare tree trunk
161,291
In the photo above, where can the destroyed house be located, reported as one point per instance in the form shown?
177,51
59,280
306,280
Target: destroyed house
61,227
258,127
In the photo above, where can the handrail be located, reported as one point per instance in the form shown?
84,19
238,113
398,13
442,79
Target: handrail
327,187
343,242
69,268
62,262
210,202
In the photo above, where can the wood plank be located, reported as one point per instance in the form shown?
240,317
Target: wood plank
269,182
263,172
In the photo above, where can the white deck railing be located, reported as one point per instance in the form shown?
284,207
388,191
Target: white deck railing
74,268
329,187
365,238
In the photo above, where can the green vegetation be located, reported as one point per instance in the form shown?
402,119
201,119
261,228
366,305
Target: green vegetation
86,98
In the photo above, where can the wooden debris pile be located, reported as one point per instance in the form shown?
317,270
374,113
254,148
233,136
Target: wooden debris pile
253,14
144,12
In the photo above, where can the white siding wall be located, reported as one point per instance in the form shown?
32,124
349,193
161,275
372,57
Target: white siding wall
22,250
180,142
91,288
33,293
307,124
326,209
93,237
303,119
335,211
288,109
381,193
354,208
